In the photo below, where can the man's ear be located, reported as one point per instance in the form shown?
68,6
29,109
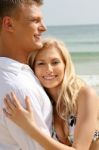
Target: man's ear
8,24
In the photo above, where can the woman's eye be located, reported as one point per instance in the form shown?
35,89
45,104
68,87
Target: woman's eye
55,62
39,63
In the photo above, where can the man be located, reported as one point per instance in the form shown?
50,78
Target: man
21,26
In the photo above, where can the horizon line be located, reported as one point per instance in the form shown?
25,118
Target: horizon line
73,24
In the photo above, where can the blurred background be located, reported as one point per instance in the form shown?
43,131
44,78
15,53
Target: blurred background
76,22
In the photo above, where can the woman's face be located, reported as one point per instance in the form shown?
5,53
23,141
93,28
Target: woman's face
49,67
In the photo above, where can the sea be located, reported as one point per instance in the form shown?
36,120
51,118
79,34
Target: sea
82,42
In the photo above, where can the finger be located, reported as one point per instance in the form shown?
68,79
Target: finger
28,104
15,100
7,105
8,97
6,113
9,100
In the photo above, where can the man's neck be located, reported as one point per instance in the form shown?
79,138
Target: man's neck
16,57
13,52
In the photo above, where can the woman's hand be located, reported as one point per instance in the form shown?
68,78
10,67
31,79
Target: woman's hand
25,119
15,111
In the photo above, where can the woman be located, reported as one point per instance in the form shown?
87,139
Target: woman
75,105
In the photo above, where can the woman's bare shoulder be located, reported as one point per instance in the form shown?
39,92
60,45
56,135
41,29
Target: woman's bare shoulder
87,97
87,91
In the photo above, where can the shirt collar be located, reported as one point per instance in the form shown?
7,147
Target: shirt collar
10,64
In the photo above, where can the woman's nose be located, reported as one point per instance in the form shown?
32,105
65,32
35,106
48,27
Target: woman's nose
49,68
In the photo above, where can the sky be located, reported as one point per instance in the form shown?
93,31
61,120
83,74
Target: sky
71,12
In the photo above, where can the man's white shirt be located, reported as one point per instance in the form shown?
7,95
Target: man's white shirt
18,77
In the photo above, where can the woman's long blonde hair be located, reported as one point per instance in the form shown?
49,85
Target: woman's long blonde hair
71,84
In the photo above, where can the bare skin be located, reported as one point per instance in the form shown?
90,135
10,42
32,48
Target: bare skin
21,34
25,119
49,68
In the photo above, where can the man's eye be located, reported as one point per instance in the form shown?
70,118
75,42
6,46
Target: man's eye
35,20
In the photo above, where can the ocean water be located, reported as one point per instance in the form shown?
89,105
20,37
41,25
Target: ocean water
82,42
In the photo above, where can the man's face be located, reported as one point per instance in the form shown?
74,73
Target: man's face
28,28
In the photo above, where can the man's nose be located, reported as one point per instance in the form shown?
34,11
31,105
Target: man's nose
43,27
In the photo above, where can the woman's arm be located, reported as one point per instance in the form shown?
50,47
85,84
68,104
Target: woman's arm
85,126
24,118
86,118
